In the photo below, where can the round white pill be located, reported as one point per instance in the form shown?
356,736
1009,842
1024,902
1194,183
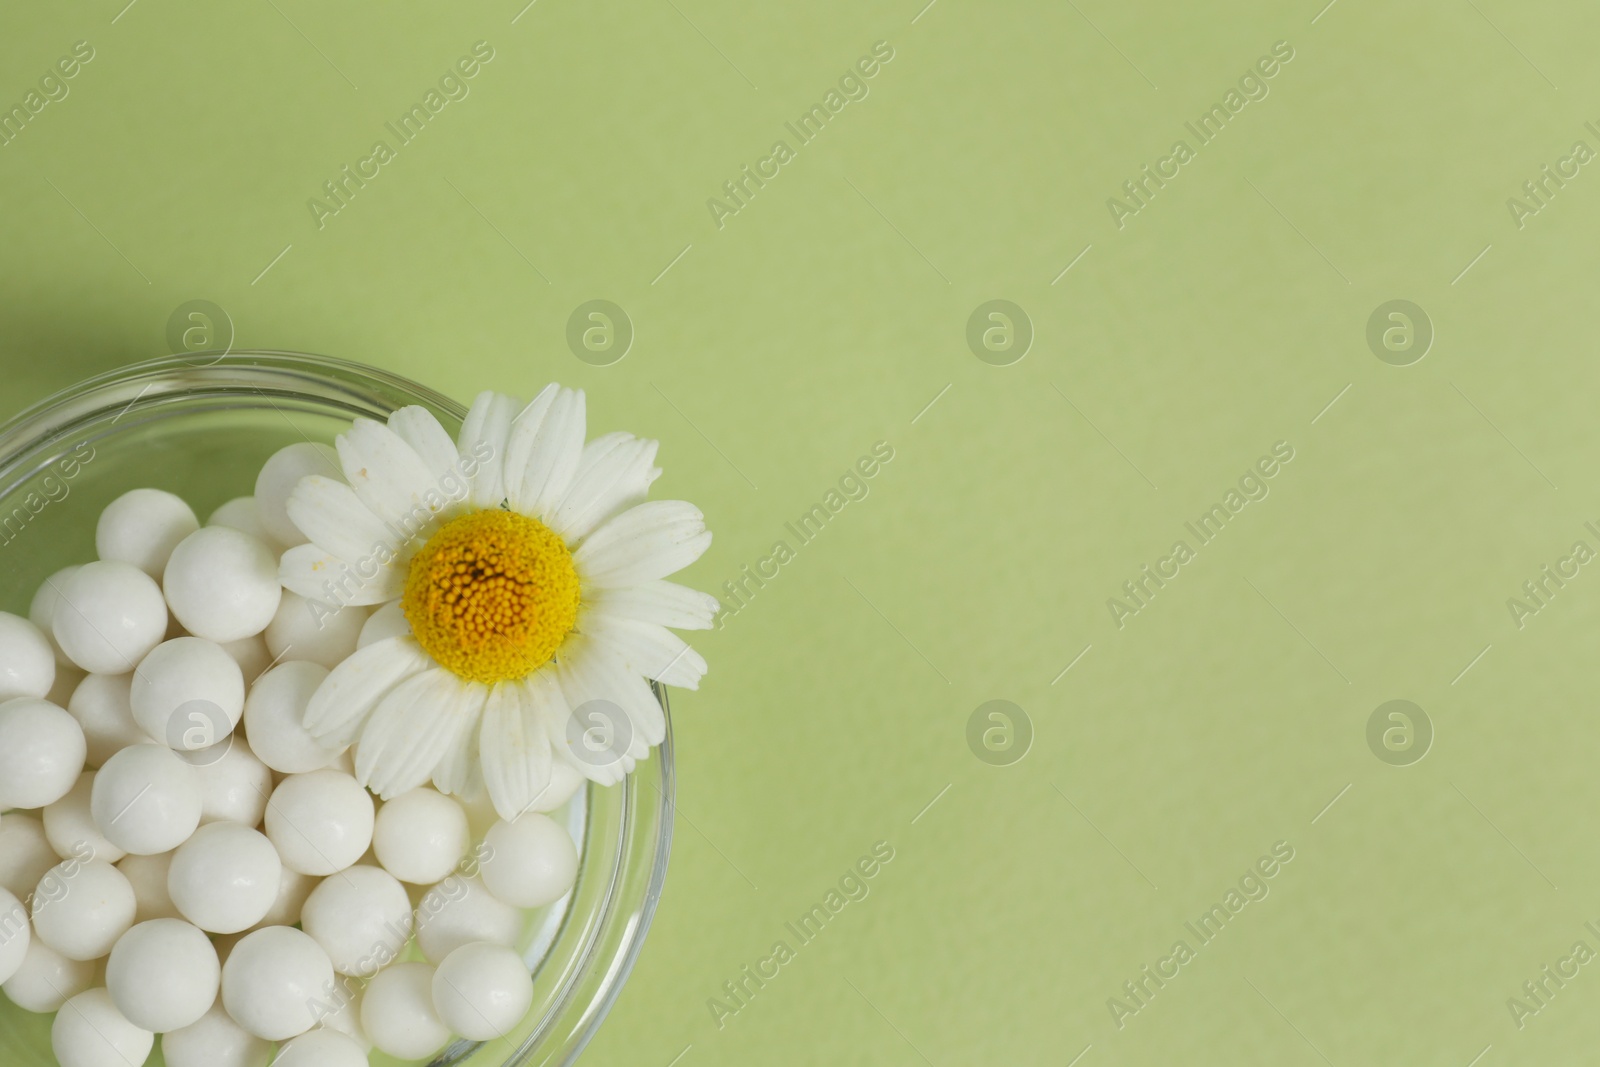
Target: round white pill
273,717
420,836
163,975
225,878
278,477
27,659
42,752
89,1031
222,584
101,706
530,862
293,889
234,785
15,935
215,1041
25,854
482,991
398,1015
362,917
187,693
272,981
241,514
82,909
346,1019
69,825
146,799
313,631
251,654
109,617
459,911
142,527
321,1048
321,822
42,610
47,979
388,621
148,877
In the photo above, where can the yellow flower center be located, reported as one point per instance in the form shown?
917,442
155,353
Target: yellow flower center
492,595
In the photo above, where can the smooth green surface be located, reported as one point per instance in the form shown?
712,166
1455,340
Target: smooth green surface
824,316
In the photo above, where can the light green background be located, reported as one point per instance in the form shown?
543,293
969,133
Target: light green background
825,316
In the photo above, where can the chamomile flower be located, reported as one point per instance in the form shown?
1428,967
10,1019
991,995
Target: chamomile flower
530,570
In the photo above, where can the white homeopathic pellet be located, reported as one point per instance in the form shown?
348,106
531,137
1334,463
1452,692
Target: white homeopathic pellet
273,979
146,799
222,584
459,911
47,979
101,706
242,514
310,630
482,991
215,1041
148,877
234,785
398,1015
321,1048
15,935
69,825
110,616
81,909
362,917
42,752
27,659
251,654
142,527
273,716
25,853
225,878
293,889
278,477
345,1016
188,693
42,610
530,862
321,822
89,1031
163,975
420,836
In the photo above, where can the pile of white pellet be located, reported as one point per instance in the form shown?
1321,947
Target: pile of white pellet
179,856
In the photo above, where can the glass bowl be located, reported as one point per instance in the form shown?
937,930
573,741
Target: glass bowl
201,425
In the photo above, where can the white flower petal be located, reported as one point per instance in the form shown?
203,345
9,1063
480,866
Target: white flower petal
334,518
614,473
391,479
417,427
595,682
644,543
514,746
414,729
458,774
316,575
645,648
557,450
483,441
347,696
663,603
520,437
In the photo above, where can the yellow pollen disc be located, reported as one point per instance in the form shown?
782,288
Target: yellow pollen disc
492,595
